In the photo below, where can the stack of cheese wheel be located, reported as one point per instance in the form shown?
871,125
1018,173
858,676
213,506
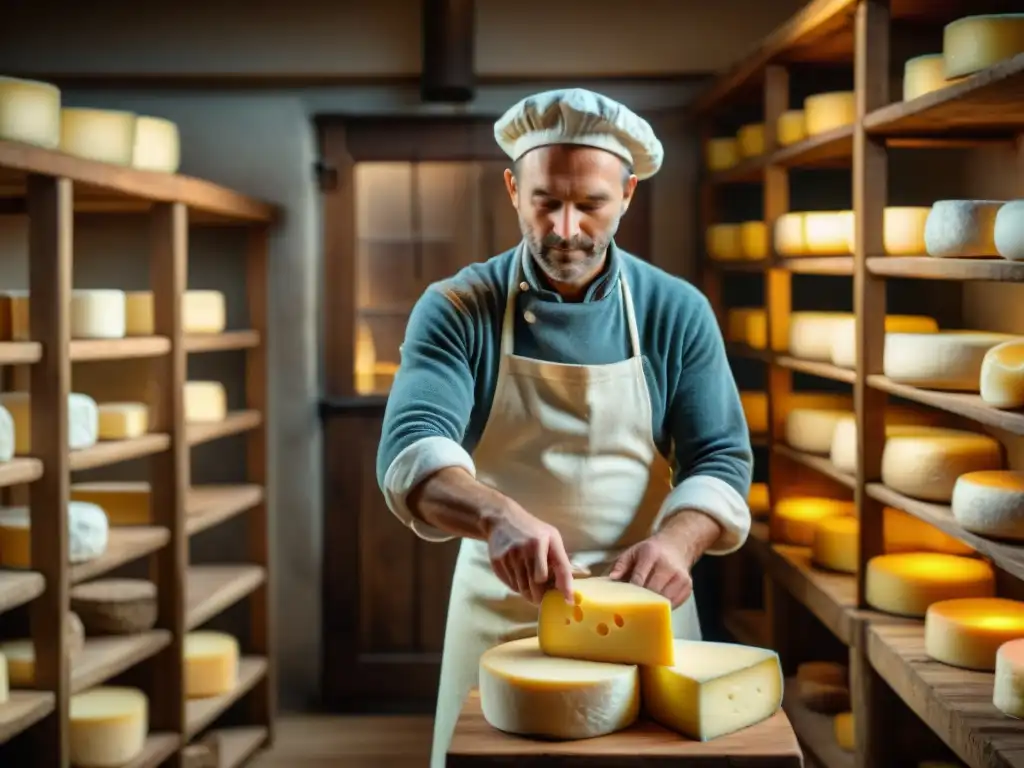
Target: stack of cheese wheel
968,632
990,503
723,242
823,686
754,240
791,127
843,351
927,463
598,661
1008,232
900,421
750,140
755,409
905,584
974,43
794,519
759,499
30,112
824,112
722,153
747,325
810,333
947,360
1001,380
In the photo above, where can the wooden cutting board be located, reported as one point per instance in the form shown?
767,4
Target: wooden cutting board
770,744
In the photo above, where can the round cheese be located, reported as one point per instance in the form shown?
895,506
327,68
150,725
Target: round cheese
1008,681
755,409
83,420
843,351
824,697
974,43
791,127
747,325
789,235
759,499
750,139
723,242
968,632
949,360
828,233
205,401
793,520
811,429
107,136
903,230
211,664
990,503
810,333
754,240
926,466
846,735
923,74
97,314
527,693
722,153
962,229
828,111
87,534
157,146
898,421
1008,231
1001,382
123,421
29,112
905,584
107,726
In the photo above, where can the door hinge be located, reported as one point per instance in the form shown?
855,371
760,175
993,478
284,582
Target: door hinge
326,176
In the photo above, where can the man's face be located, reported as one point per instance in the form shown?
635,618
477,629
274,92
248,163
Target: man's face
569,200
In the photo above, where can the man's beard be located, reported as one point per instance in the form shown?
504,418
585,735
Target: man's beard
561,260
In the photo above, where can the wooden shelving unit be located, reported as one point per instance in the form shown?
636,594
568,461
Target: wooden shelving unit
49,188
886,653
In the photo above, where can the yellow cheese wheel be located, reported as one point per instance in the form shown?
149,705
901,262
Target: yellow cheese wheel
828,233
791,127
990,503
923,74
962,229
905,584
793,520
759,499
103,135
722,153
29,112
789,235
754,240
844,730
107,726
828,111
750,139
844,335
810,333
903,230
968,632
723,242
211,664
1008,681
755,409
747,325
974,43
157,146
1001,381
926,465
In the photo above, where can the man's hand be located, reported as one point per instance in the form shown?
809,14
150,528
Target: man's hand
528,555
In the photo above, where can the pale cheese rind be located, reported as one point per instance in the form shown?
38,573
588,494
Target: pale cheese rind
825,112
899,422
211,664
1001,381
788,235
948,360
990,503
8,437
791,127
97,314
962,229
794,519
1008,681
202,311
1009,231
103,135
83,420
157,145
828,233
810,334
811,429
205,401
923,74
29,112
967,632
905,584
926,466
843,351
973,43
713,689
123,421
107,726
528,693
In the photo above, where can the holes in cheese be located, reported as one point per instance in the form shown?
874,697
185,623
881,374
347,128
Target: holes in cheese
755,410
791,127
29,112
1008,234
759,499
610,621
843,727
990,503
923,74
827,111
793,520
974,43
962,229
122,421
1001,380
104,135
810,333
747,325
211,664
201,312
722,153
723,242
157,145
926,466
811,429
525,692
713,689
948,360
905,584
899,422
967,632
87,534
750,140
843,351
125,503
754,240
1008,681
822,686
83,420
107,726
205,401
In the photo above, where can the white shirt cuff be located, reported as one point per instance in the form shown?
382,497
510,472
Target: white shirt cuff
412,466
719,501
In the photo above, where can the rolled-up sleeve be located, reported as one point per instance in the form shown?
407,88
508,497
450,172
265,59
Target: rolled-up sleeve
713,460
429,405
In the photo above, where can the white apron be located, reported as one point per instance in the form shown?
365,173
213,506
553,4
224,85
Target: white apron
573,445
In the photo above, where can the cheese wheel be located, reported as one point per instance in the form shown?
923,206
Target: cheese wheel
948,360
205,401
843,350
791,127
923,74
811,429
5,685
990,503
124,502
974,43
21,666
793,520
1008,681
901,422
789,235
905,584
83,420
527,693
211,664
810,333
759,499
967,632
962,229
755,409
754,240
107,726
828,111
97,314
723,242
750,140
201,312
747,325
828,233
1008,231
903,230
926,466
29,112
722,153
843,727
157,145
103,135
122,421
7,437
88,531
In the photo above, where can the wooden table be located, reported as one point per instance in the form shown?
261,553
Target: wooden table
771,744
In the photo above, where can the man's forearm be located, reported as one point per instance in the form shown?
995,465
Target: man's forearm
691,532
454,501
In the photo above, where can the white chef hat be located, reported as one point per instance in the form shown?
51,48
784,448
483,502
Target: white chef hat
579,116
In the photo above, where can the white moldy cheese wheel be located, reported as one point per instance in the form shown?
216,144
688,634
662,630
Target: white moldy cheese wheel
754,240
723,242
104,135
1008,682
527,693
29,112
791,127
157,146
843,350
906,584
107,726
967,632
828,111
97,314
974,43
962,229
923,74
83,420
722,153
201,312
750,140
1009,231
949,360
211,664
755,409
926,466
793,520
990,503
811,429
789,235
810,333
88,531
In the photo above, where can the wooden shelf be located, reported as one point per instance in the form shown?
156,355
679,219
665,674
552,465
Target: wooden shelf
929,268
108,452
20,352
743,350
106,657
826,150
211,505
124,545
19,587
815,731
818,265
236,745
20,470
159,747
211,589
222,342
749,627
200,713
23,710
83,350
817,463
815,368
235,423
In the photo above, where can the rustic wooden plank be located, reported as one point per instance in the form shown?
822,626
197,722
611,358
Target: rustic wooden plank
970,406
815,368
211,589
817,463
929,268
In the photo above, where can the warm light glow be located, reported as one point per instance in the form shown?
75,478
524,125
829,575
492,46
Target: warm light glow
934,567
